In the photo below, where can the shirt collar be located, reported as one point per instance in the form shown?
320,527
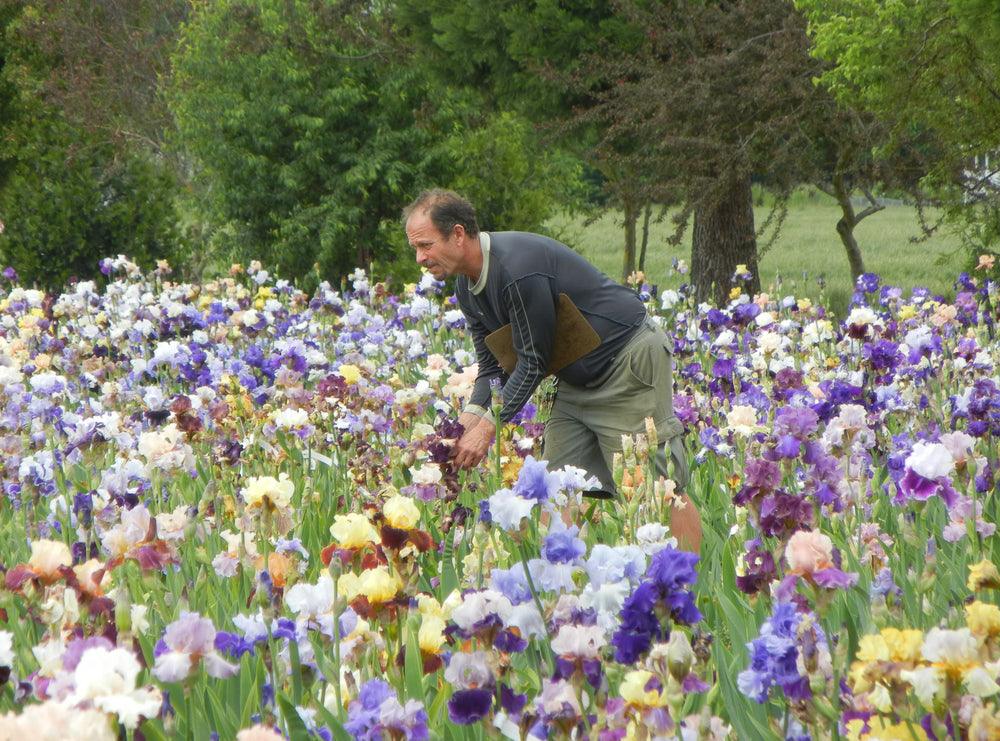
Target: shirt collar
484,244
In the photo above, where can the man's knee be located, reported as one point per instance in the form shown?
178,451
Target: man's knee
685,524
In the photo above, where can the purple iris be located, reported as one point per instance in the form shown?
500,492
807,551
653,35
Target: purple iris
512,583
746,313
760,569
469,706
883,355
639,625
534,480
512,702
79,552
786,381
669,574
868,282
916,487
593,670
754,396
762,477
232,644
75,648
672,569
507,641
563,545
373,693
685,409
797,422
782,514
723,368
774,658
377,714
787,447
362,714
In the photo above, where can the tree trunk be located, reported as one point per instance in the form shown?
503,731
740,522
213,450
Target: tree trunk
724,237
631,217
647,212
845,228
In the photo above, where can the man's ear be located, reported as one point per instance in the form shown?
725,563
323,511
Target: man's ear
459,231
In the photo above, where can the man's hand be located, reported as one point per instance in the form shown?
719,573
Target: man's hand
475,442
468,420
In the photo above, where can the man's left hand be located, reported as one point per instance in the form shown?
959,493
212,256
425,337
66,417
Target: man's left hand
474,444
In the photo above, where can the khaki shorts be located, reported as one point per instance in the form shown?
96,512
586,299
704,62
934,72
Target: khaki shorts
587,423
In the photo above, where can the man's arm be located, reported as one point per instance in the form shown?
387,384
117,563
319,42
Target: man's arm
533,320
489,368
477,418
533,323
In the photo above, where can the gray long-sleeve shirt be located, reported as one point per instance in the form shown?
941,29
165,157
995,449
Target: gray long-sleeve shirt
524,275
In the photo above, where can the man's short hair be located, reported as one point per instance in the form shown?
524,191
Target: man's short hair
446,209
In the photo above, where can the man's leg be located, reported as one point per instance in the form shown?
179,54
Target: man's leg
568,442
685,521
640,386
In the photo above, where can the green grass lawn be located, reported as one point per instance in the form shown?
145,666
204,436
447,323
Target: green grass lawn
807,249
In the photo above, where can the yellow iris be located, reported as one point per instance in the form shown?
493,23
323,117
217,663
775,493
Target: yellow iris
353,530
633,690
350,373
378,585
983,575
401,512
983,619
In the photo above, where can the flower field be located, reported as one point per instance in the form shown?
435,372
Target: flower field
229,512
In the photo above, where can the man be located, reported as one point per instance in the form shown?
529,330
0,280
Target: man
516,278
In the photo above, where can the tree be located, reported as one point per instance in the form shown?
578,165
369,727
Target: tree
723,93
69,198
101,64
311,128
8,92
925,67
516,55
715,95
305,135
70,202
857,153
502,167
673,103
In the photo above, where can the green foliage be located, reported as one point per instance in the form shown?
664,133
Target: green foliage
503,169
926,67
308,141
980,19
8,91
68,199
68,204
310,130
518,52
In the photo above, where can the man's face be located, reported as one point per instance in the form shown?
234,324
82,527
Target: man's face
440,254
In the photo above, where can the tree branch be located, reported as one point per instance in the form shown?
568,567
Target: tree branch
825,188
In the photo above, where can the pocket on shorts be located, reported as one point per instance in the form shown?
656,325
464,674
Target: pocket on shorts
641,367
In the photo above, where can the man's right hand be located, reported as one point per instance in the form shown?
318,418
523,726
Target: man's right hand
468,420
470,449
